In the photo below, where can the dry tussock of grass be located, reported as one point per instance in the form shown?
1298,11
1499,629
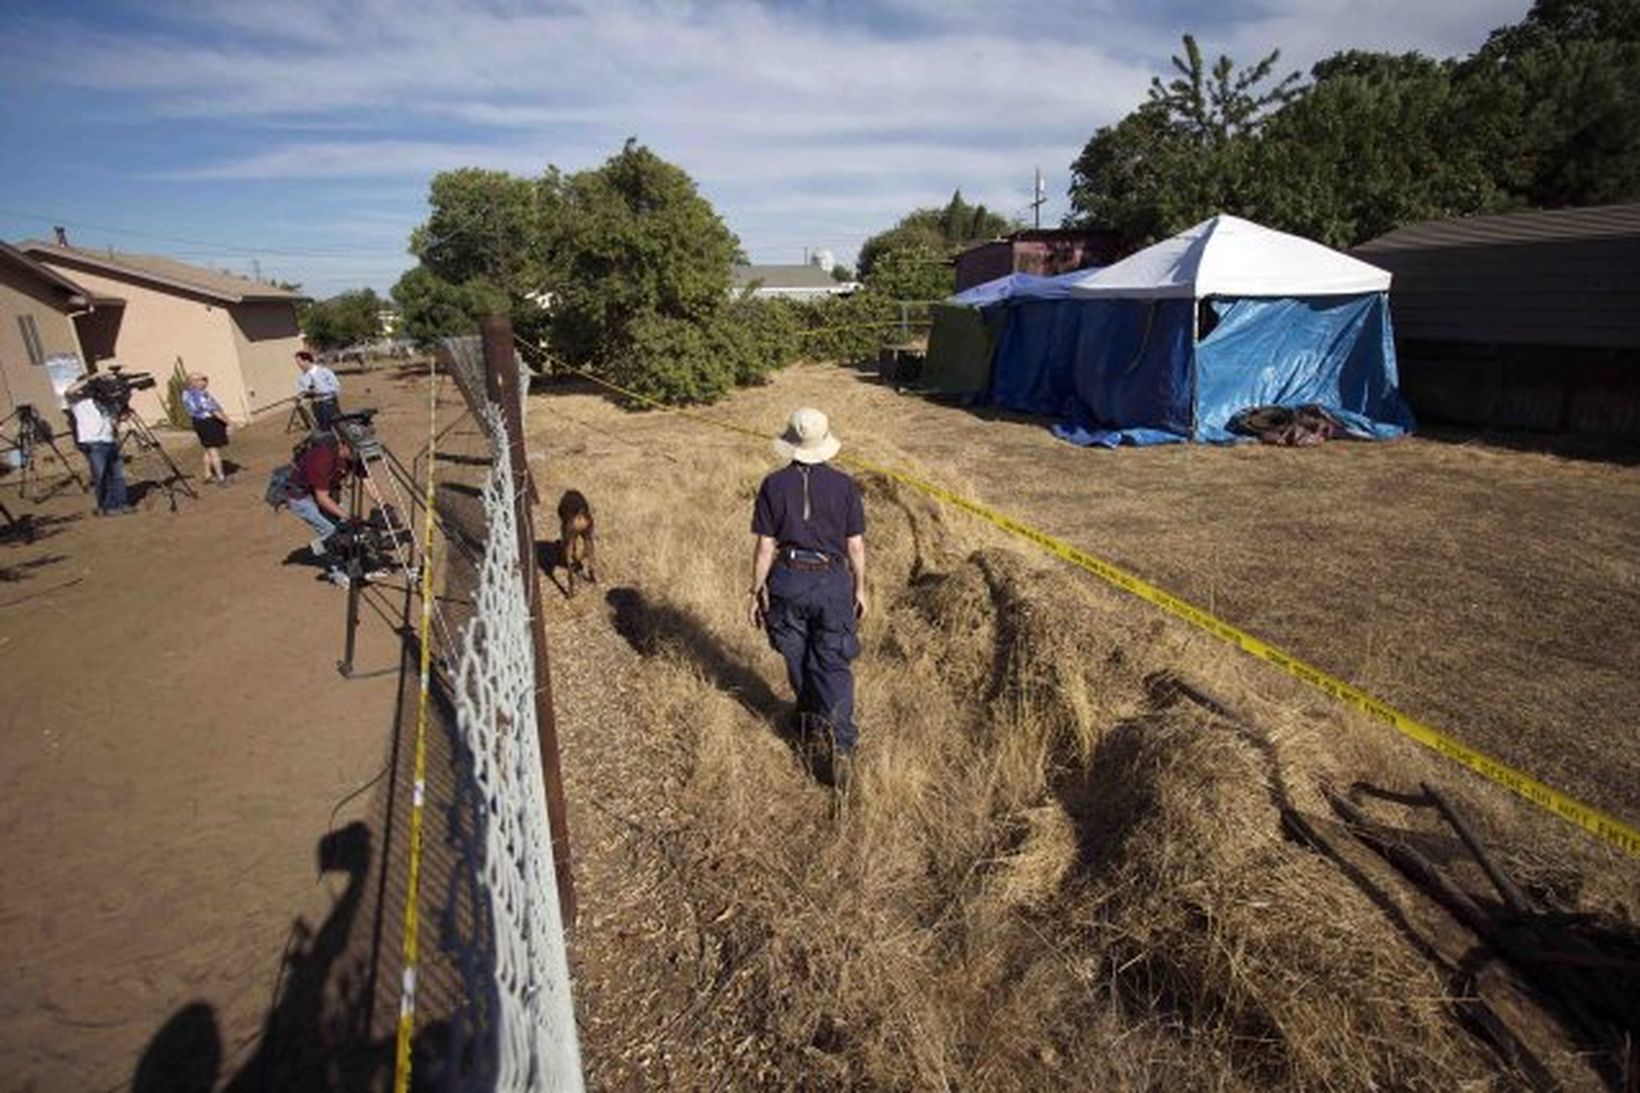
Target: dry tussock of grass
1042,876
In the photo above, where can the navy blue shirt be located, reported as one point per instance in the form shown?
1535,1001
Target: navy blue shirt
835,511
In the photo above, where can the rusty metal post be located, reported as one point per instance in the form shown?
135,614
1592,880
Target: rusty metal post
502,383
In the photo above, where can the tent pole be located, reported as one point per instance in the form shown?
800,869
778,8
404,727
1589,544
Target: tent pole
1195,328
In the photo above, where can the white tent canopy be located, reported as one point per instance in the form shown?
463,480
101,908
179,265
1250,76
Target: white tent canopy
1229,256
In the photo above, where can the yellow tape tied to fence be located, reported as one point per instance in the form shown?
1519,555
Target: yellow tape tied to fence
412,915
1600,824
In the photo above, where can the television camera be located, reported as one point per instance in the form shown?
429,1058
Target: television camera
113,388
373,543
358,429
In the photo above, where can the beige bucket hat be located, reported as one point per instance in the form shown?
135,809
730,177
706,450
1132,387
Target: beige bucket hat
808,438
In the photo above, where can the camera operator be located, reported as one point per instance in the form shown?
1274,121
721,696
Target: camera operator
319,385
96,435
314,494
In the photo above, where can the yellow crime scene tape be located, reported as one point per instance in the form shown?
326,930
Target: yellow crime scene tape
1601,824
412,915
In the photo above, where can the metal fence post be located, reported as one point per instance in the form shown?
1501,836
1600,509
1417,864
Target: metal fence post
503,384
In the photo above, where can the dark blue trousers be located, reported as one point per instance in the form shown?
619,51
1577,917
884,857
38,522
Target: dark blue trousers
811,624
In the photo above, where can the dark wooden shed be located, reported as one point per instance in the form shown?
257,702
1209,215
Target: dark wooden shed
1045,252
1527,320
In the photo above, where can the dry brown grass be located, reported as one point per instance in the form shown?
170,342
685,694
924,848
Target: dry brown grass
1044,876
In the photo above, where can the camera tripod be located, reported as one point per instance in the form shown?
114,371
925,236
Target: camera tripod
140,437
375,459
31,431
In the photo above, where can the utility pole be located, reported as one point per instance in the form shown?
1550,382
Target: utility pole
1041,196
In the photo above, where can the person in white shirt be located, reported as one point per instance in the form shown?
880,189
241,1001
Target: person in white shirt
319,384
95,435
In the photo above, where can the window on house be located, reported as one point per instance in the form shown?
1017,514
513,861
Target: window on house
31,339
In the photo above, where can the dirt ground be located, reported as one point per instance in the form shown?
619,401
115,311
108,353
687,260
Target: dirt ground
175,741
175,745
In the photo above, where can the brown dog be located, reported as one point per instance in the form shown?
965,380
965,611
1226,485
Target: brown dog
577,545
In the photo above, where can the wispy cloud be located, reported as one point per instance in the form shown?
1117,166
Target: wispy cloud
814,115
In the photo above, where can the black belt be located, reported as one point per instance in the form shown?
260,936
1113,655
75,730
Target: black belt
807,561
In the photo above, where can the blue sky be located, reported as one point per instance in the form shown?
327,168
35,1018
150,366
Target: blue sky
300,137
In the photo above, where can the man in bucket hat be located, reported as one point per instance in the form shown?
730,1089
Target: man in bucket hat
809,578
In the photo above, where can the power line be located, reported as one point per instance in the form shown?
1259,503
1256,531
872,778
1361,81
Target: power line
226,248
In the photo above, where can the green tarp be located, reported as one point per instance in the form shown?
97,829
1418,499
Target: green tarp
959,351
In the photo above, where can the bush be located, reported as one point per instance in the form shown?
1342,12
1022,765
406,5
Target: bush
675,360
765,339
175,412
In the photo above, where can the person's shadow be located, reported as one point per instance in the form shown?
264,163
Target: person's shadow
317,1035
651,628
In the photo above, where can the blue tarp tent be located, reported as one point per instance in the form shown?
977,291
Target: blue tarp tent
1018,286
1169,344
968,332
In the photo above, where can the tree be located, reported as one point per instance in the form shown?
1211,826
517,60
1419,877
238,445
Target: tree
1377,141
346,319
636,242
1557,102
431,308
1184,154
624,269
942,232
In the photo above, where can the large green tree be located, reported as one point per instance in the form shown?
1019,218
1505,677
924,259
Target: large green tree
635,241
623,269
1555,102
1378,140
1545,113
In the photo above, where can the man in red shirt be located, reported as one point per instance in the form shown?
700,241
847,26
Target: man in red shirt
315,494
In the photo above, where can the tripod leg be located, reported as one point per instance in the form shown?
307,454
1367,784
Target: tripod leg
63,459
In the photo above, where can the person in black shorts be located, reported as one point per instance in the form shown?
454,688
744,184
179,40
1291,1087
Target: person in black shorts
210,425
809,578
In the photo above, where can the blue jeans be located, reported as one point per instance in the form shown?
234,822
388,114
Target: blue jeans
811,624
326,411
107,475
313,516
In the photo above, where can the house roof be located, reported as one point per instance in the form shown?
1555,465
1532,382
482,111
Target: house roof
74,295
797,276
1559,277
1229,256
154,269
1527,226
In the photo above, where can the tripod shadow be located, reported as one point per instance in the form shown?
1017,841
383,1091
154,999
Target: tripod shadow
22,571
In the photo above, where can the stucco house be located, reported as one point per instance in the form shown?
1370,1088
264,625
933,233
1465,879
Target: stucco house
239,332
40,316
